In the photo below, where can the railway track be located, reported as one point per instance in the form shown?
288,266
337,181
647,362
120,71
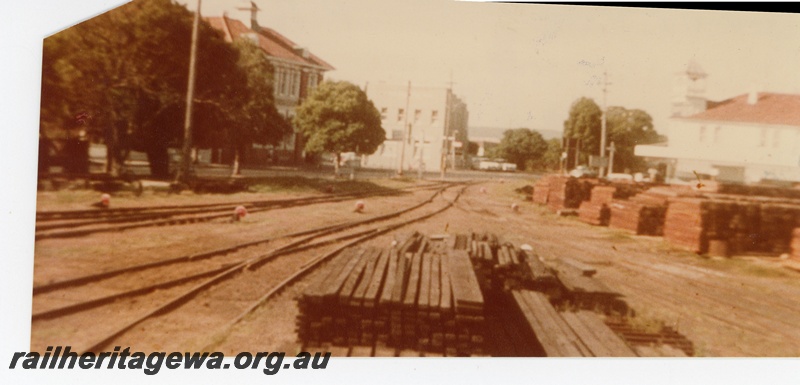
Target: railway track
306,240
74,223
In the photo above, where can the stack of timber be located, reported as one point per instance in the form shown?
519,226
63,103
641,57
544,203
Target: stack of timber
560,192
420,295
778,221
596,210
554,334
666,341
683,224
582,291
642,214
541,190
796,243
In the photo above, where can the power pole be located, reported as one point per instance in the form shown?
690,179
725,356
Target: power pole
611,150
185,171
603,125
406,132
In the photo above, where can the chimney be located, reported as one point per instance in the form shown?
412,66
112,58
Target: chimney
752,98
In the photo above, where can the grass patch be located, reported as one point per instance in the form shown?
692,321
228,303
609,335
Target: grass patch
303,184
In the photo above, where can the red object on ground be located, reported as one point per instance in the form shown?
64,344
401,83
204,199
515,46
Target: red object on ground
515,207
105,200
359,206
240,212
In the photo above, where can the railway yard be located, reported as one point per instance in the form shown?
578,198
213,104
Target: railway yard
479,268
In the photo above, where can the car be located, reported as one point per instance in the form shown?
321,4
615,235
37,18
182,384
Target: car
508,166
583,172
619,177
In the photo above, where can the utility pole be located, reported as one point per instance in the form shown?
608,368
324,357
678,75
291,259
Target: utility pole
603,125
185,171
611,150
406,132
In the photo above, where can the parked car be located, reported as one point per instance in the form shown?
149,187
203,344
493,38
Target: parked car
619,177
583,172
508,167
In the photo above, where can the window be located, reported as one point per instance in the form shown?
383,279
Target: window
417,115
312,81
763,141
397,134
716,134
702,134
434,116
384,112
400,113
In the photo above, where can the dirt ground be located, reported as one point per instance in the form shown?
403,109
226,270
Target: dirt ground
744,306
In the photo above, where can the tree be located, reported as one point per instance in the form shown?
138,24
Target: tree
628,128
522,147
584,122
254,118
127,71
337,117
551,159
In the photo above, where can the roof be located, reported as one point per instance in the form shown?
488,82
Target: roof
770,108
271,42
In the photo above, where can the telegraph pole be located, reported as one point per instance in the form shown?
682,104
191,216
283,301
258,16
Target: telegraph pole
603,126
406,132
185,170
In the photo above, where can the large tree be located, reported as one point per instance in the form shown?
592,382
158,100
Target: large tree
124,73
338,117
626,128
254,119
521,146
584,122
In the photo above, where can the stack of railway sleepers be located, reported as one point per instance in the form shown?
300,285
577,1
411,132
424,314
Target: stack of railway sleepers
550,335
796,243
778,221
683,224
541,190
582,291
419,295
642,214
467,304
596,210
639,338
596,335
540,277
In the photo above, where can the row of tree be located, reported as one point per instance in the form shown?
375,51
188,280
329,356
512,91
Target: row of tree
626,128
122,77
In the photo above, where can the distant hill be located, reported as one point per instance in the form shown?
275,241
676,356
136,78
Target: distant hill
494,132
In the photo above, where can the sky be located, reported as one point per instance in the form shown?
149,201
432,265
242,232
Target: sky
522,65
516,65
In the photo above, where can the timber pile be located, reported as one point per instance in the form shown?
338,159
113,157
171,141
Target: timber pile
582,291
541,190
778,221
642,214
568,334
763,191
664,342
596,210
683,224
562,192
420,296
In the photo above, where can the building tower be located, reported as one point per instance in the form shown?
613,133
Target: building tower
689,91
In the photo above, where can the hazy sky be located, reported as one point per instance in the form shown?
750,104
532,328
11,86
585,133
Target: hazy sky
522,65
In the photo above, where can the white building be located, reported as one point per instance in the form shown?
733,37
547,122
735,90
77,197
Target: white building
424,127
748,138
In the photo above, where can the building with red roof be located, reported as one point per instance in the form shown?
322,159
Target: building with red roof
748,138
297,71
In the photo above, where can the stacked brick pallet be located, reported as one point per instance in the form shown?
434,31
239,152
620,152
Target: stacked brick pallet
420,296
642,214
596,210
